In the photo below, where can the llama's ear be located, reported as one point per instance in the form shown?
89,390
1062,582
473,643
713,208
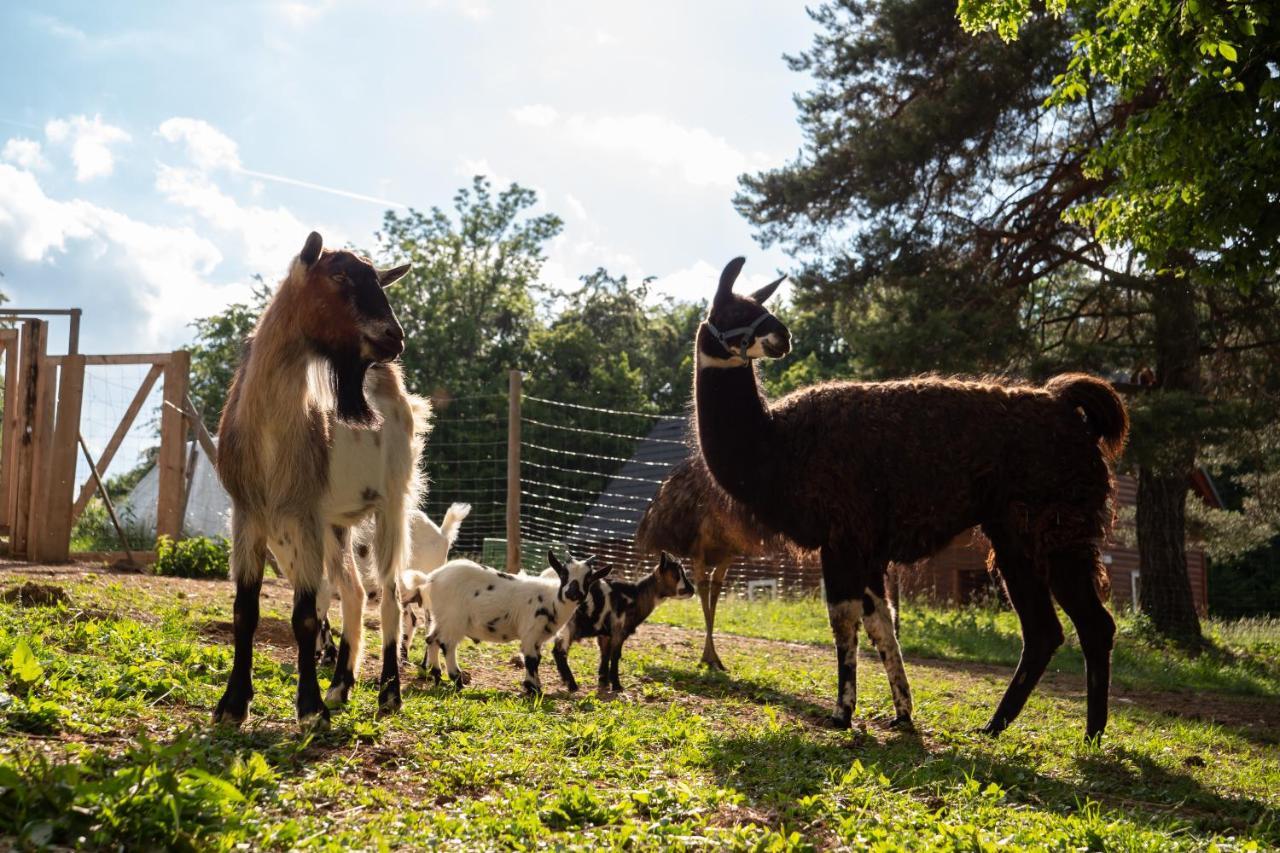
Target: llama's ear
765,292
728,277
311,249
386,278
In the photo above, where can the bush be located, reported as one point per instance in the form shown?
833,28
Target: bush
196,557
94,531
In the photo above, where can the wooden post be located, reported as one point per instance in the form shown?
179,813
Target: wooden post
173,446
35,334
8,432
513,471
51,543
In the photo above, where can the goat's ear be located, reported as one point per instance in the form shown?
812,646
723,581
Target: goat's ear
311,249
561,571
728,277
669,562
386,278
589,559
765,292
596,574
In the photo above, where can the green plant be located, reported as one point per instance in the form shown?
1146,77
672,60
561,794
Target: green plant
93,530
196,557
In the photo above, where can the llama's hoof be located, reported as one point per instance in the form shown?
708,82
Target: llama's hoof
531,689
991,729
1093,738
902,723
712,661
571,686
337,695
840,721
389,701
231,711
316,721
617,686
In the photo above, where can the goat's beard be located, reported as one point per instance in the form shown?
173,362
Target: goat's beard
346,372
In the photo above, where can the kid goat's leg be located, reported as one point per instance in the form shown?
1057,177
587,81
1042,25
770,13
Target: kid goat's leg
532,653
344,574
560,651
842,580
615,655
248,552
1071,578
878,618
1041,630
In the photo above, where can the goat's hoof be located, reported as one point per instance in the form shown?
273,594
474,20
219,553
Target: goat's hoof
571,686
464,676
991,729
389,702
231,711
533,690
840,721
902,722
315,721
616,686
1093,738
434,674
337,695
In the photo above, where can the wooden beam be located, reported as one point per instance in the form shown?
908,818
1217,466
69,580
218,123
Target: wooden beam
34,341
53,542
122,429
41,431
202,432
8,432
133,358
173,449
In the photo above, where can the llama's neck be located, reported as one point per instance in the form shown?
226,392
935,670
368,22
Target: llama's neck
734,428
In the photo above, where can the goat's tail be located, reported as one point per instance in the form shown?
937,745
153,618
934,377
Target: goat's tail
414,588
453,518
1103,409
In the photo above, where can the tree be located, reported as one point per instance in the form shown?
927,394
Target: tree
951,201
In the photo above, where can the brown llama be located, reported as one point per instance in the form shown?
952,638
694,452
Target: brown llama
318,433
692,517
873,472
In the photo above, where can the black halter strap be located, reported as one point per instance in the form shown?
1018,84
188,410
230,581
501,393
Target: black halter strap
748,336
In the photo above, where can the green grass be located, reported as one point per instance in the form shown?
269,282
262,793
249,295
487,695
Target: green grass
1243,656
104,741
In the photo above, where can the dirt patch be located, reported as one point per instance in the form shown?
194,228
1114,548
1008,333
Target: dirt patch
33,594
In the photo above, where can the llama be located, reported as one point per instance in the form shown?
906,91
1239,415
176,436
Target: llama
611,612
428,551
318,433
466,599
692,517
872,472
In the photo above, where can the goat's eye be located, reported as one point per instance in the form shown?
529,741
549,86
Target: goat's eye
342,279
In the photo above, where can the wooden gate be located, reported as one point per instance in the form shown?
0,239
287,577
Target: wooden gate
39,499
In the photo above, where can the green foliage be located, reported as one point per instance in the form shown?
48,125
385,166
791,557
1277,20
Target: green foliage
93,530
193,557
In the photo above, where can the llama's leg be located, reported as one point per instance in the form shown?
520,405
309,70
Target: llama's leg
603,642
877,616
560,651
702,583
248,552
843,586
1071,576
1041,631
709,656
391,536
532,652
301,553
344,574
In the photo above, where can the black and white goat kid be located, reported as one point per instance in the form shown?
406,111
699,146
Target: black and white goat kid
611,613
466,599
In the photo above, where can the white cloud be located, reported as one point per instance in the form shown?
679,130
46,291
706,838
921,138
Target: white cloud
575,206
698,156
208,147
535,115
90,140
24,153
300,13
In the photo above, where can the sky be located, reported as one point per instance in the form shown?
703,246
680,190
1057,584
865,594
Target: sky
154,156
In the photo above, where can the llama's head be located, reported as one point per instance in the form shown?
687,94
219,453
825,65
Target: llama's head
346,317
739,328
576,576
673,581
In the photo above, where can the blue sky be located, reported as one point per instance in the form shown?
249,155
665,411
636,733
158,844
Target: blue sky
154,155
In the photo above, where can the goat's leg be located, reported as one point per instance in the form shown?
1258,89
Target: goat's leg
344,574
709,656
391,524
301,552
877,616
409,619
615,655
560,651
431,657
1041,630
532,652
1071,579
326,651
603,643
248,552
842,582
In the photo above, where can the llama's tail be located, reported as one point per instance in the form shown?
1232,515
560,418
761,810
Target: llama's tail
1103,409
453,518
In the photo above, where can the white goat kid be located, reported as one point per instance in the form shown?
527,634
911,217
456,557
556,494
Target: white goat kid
466,599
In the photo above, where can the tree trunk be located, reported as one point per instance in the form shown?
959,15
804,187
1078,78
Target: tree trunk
1165,590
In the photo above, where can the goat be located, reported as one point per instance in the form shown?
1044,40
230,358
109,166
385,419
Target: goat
429,549
466,599
319,433
873,472
611,612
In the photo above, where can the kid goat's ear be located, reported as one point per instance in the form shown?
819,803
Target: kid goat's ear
311,249
765,292
386,278
728,277
557,565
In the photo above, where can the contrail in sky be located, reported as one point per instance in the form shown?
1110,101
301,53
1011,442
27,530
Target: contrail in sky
281,179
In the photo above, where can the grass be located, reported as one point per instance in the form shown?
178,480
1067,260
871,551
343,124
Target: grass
1243,657
104,741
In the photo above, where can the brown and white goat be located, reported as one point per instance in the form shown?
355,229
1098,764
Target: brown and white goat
318,433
